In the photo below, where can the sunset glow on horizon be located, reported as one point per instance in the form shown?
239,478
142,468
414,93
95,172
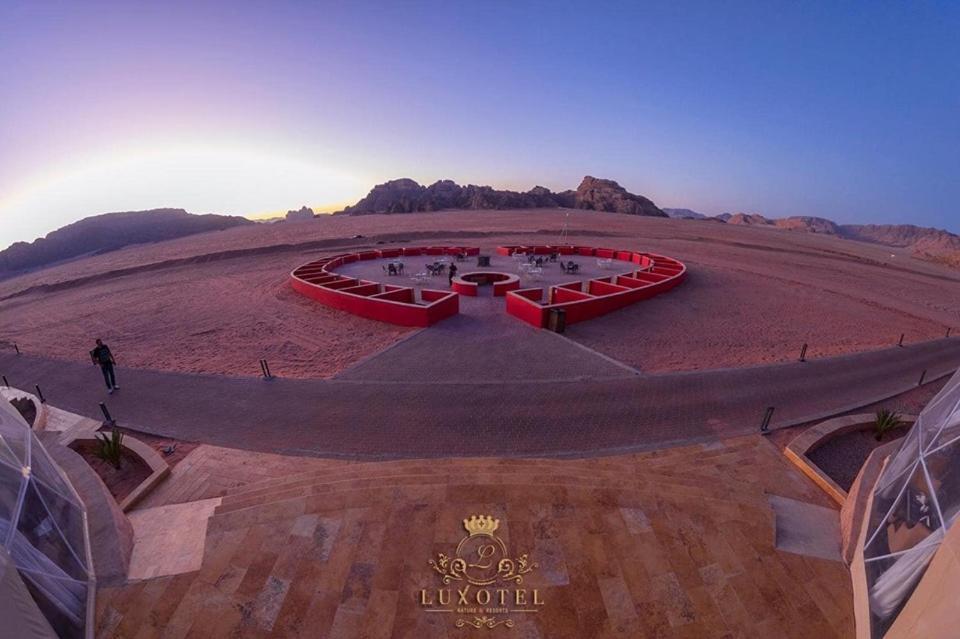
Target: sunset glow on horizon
228,180
253,109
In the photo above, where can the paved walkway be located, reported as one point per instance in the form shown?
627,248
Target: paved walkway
389,419
484,344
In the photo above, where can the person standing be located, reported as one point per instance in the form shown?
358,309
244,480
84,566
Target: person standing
101,355
452,273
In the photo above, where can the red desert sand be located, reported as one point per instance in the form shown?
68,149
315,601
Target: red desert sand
218,302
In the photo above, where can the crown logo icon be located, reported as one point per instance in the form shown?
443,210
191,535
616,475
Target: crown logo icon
481,525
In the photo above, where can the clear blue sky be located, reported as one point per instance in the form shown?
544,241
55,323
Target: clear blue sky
845,110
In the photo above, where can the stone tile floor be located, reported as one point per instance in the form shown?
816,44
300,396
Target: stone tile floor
671,543
169,540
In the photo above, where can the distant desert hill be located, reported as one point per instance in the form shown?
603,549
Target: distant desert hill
684,214
304,213
109,232
935,244
407,196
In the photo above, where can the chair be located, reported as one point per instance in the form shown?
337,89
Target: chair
563,266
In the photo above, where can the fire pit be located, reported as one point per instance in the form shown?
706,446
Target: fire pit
469,283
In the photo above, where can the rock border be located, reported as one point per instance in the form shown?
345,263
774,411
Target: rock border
814,437
159,469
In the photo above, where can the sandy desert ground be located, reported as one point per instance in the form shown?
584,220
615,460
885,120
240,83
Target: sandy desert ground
218,302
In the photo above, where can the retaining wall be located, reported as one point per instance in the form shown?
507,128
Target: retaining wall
382,302
650,275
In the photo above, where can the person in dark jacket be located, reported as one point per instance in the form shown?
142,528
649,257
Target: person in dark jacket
101,355
452,273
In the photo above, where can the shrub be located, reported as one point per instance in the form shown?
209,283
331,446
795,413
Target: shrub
111,448
886,421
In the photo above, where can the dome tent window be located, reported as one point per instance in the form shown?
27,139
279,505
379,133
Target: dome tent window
915,502
43,530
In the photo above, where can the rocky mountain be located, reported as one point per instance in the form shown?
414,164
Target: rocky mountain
684,214
746,219
606,195
305,213
108,232
807,224
935,244
920,239
407,196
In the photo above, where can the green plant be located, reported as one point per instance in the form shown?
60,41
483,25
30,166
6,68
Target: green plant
886,421
111,448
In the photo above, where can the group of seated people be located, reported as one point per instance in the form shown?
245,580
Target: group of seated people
540,260
437,268
433,268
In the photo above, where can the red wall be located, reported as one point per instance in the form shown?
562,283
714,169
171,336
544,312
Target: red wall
521,306
397,304
464,288
599,287
561,295
364,289
502,288
382,302
605,294
404,295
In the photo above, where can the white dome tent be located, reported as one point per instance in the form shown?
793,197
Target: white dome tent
915,501
43,531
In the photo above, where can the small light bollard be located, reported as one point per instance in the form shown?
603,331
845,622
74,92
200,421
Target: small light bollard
107,418
265,369
900,343
40,394
765,425
923,376
803,353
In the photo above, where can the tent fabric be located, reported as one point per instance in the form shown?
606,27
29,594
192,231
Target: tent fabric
43,531
18,611
915,501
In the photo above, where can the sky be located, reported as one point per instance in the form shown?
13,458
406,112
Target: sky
843,110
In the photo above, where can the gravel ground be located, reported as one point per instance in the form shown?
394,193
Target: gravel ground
754,296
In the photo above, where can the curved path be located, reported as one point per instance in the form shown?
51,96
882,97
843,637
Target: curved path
369,416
